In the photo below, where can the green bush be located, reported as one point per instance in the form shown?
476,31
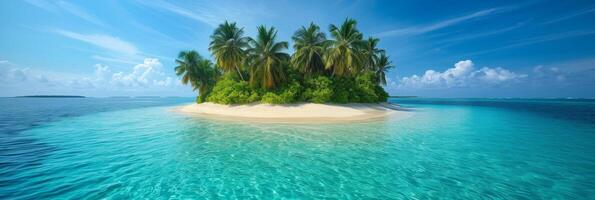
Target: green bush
318,90
231,91
366,86
287,94
344,90
382,95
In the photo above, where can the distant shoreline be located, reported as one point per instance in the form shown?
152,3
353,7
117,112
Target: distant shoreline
50,96
403,97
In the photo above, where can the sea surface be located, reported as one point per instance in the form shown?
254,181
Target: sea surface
137,148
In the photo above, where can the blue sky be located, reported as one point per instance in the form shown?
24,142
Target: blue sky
439,48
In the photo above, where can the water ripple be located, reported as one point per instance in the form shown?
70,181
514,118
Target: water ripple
151,153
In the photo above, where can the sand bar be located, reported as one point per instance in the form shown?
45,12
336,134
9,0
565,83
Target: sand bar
298,113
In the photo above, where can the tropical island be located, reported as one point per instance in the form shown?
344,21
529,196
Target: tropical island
323,77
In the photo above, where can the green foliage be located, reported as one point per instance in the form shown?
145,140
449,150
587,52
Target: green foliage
318,89
266,59
228,47
231,91
197,72
345,68
309,45
287,94
344,90
366,86
383,64
344,56
382,95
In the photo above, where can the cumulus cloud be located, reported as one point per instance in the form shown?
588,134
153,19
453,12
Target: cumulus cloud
147,73
102,72
146,76
551,73
462,74
496,75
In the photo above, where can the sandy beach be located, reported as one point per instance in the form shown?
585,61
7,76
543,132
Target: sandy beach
296,113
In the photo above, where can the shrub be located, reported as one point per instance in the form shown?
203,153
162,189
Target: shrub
366,86
344,90
382,95
231,91
318,89
287,94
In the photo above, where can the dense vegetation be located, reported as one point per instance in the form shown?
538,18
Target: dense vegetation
341,69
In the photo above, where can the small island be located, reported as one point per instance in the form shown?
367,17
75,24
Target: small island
336,78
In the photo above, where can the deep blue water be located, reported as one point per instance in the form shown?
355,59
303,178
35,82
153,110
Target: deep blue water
121,148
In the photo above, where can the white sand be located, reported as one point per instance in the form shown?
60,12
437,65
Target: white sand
304,112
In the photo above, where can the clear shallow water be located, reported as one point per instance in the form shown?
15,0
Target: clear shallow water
453,149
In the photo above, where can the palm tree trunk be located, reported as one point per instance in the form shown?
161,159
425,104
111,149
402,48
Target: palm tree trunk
240,73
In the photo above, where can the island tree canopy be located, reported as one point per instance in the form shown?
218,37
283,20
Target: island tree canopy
341,69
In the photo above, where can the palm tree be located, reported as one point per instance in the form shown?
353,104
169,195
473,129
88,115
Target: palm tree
344,54
228,46
371,53
196,71
382,67
309,46
266,58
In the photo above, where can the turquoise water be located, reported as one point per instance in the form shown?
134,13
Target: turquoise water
448,148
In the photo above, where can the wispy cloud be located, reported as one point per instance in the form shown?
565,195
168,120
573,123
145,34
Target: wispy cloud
200,14
569,16
79,12
57,6
483,34
536,40
46,5
158,35
213,13
104,41
443,24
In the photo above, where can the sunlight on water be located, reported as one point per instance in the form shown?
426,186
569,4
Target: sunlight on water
447,151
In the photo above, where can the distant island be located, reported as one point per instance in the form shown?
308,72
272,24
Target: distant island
345,68
50,96
404,97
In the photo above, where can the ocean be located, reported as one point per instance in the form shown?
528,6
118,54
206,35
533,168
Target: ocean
138,148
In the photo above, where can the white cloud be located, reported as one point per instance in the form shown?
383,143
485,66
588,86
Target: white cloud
549,73
496,75
143,74
463,74
102,72
104,41
148,76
